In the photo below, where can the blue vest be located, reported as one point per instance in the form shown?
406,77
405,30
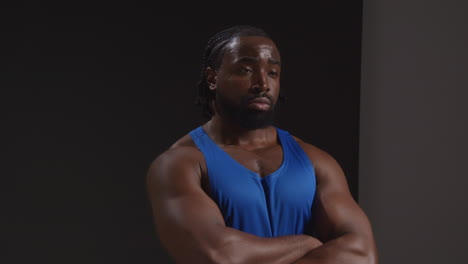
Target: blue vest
276,205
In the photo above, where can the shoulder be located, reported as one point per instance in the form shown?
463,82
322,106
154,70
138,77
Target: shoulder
326,166
182,151
182,161
313,152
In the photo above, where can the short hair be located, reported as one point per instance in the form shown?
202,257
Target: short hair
213,57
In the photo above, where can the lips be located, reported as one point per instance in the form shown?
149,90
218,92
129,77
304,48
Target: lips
259,103
260,100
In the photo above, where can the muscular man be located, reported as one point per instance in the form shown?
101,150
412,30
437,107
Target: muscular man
238,189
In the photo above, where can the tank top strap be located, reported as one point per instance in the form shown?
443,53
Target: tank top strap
204,143
295,151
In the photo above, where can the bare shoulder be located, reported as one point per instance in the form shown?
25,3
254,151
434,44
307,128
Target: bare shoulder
326,167
316,154
181,163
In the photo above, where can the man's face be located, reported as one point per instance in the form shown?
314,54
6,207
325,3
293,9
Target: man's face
248,82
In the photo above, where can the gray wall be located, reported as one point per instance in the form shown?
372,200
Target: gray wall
413,128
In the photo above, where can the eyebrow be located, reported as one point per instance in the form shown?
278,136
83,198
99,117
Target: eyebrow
254,59
273,61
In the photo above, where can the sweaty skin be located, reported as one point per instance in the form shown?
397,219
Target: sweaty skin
189,223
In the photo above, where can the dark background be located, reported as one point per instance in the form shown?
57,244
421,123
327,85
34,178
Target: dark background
92,95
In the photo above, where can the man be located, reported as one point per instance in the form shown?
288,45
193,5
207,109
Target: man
238,189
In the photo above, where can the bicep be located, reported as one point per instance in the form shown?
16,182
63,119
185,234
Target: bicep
187,220
336,212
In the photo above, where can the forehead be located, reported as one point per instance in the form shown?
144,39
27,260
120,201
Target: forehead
251,46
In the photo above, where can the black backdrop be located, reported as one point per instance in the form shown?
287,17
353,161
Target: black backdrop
92,95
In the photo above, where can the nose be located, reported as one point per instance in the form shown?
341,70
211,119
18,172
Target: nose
261,83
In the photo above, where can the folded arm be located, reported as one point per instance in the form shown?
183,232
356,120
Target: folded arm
191,227
340,223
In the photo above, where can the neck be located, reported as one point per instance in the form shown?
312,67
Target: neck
225,132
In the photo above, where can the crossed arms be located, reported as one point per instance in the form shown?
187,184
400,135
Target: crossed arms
192,229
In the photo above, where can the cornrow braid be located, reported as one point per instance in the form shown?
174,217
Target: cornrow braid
212,57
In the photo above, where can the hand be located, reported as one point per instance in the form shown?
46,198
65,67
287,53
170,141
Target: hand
313,242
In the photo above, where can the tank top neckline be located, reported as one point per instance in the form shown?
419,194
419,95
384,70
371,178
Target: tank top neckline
256,175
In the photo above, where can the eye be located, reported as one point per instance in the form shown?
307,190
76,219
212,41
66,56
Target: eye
273,74
245,70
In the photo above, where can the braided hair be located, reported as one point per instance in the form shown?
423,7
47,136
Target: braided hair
212,57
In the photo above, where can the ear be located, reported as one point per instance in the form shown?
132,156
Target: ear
211,77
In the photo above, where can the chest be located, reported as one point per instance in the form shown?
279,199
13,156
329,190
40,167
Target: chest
280,204
263,162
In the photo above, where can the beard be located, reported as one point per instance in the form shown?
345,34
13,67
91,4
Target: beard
244,116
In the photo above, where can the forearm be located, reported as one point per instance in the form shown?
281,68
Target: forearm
240,247
349,248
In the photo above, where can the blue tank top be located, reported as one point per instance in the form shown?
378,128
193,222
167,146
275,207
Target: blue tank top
276,205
